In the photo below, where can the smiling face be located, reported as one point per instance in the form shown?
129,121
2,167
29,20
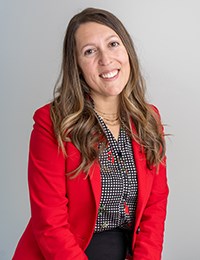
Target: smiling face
102,59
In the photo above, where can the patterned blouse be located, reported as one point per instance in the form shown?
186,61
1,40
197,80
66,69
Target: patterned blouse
119,182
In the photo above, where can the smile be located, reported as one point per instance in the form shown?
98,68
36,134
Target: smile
109,75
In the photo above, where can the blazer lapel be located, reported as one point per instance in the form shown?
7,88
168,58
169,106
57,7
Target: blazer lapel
95,180
144,176
140,164
74,160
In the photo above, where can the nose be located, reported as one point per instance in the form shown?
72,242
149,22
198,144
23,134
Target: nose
104,58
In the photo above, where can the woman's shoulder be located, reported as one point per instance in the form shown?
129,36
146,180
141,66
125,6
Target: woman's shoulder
42,114
155,111
154,108
43,110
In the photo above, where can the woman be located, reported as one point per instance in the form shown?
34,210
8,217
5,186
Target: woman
97,171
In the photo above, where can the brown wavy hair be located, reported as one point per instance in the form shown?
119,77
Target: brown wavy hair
72,112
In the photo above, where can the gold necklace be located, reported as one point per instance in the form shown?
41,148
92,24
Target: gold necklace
109,119
112,124
105,114
106,117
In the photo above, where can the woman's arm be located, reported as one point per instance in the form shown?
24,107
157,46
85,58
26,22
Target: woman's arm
149,240
47,186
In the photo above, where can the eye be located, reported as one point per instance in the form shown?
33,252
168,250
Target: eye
89,52
114,44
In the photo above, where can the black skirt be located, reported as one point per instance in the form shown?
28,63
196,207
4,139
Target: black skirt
107,245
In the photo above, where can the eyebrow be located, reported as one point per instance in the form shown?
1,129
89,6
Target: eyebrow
108,38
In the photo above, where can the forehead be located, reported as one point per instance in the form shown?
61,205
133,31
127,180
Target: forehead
92,30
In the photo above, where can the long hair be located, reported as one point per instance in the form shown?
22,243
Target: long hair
72,112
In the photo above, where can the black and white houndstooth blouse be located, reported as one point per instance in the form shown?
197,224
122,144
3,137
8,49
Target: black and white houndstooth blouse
119,182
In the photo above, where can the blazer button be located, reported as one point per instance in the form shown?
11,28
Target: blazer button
138,230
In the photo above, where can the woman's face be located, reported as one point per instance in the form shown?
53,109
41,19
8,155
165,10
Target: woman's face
102,59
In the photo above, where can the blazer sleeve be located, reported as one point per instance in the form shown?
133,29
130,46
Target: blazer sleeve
47,187
149,237
150,233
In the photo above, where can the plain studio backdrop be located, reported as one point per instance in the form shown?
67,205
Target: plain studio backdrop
167,39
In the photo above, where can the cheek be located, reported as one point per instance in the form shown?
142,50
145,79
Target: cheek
126,64
86,74
85,67
126,59
123,57
88,70
128,67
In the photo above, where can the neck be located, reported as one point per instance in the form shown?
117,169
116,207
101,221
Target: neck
104,114
107,106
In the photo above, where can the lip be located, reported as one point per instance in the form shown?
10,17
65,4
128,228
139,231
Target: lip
109,75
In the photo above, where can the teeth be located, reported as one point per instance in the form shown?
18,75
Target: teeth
110,74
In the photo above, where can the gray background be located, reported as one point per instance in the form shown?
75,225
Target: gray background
167,40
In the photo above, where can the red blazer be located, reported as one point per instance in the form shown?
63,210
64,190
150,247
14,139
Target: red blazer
64,211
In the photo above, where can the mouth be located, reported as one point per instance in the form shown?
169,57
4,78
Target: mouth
110,74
